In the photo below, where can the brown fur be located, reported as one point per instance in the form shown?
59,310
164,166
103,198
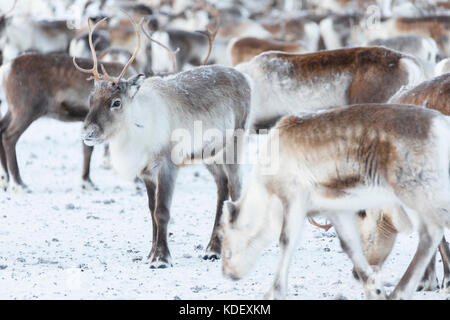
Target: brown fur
246,48
433,94
44,85
436,27
372,148
369,75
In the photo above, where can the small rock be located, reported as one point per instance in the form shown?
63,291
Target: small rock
3,266
70,206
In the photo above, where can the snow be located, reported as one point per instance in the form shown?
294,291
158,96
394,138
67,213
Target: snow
60,242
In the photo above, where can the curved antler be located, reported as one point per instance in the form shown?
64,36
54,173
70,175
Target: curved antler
171,53
130,61
94,69
211,34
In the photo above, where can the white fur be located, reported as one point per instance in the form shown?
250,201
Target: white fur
132,148
442,67
329,35
416,72
288,95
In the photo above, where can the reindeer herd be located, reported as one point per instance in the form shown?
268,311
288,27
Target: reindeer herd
359,117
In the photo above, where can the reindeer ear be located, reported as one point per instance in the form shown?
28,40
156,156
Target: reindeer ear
134,83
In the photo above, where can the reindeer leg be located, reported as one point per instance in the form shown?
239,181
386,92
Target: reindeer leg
151,194
164,191
346,228
445,254
214,247
430,235
4,176
429,280
86,182
294,218
9,138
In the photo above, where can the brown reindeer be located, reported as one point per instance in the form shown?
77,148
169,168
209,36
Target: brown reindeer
244,49
38,85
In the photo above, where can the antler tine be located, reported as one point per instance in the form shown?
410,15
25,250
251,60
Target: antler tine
133,57
94,69
211,35
171,53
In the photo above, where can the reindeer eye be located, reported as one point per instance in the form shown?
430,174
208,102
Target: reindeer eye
116,104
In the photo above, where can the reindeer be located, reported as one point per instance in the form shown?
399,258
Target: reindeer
37,85
22,34
436,27
190,45
337,28
244,49
423,48
335,163
295,28
284,83
378,229
137,117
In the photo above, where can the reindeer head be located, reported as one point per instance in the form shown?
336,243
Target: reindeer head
109,97
246,228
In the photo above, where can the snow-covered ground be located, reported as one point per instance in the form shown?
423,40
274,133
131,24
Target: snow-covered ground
60,242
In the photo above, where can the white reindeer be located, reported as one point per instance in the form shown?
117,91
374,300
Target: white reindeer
335,163
138,116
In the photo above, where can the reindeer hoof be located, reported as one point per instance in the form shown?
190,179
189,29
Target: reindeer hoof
3,183
160,262
446,286
211,256
160,265
430,284
88,185
19,188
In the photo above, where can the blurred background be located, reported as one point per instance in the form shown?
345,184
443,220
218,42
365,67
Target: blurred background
245,28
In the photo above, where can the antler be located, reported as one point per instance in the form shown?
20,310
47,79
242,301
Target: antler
321,226
94,69
171,53
211,34
133,57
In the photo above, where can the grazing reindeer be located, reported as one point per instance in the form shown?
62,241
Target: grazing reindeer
285,83
37,85
335,163
378,241
137,117
378,229
244,49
